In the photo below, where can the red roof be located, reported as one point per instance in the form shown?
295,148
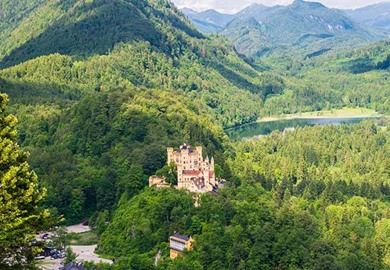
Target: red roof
191,172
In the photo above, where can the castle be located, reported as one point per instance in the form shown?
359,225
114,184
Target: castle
193,173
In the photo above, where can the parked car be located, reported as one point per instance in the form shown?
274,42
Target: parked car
57,254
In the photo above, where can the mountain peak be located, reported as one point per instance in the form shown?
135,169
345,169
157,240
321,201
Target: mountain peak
307,4
257,5
189,11
212,12
257,11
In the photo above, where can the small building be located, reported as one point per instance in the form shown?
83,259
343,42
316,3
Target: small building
73,266
178,243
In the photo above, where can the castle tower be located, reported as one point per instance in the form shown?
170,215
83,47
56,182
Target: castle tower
199,152
170,155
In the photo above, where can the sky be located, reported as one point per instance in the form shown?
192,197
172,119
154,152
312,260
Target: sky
233,6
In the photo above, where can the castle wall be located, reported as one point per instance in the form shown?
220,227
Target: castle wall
191,166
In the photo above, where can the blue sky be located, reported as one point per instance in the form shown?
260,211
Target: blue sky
232,6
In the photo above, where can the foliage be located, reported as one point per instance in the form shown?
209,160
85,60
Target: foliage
144,222
169,172
70,256
349,78
98,122
109,143
82,239
301,204
97,117
20,214
59,238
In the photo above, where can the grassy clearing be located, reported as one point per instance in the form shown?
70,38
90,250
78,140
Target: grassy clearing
341,113
82,239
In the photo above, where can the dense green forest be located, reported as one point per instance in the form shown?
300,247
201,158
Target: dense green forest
93,119
99,100
355,78
294,202
113,142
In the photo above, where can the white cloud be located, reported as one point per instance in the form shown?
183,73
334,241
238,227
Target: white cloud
232,6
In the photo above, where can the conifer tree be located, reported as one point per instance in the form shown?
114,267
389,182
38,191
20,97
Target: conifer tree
20,214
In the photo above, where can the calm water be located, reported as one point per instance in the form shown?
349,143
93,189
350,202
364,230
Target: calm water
264,128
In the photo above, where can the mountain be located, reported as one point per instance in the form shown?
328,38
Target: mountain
376,16
305,28
188,11
357,77
209,21
257,11
69,27
101,88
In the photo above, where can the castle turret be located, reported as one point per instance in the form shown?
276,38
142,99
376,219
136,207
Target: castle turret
170,155
199,151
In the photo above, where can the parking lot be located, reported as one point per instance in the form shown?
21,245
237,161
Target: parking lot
84,253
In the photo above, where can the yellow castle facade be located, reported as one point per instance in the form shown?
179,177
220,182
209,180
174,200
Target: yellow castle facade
193,172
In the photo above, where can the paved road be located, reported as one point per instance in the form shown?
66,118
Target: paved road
79,228
87,253
84,253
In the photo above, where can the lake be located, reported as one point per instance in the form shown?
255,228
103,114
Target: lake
265,128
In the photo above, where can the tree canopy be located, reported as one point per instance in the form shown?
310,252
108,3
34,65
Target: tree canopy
20,214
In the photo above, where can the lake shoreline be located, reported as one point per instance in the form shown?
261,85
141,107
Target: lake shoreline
267,125
334,114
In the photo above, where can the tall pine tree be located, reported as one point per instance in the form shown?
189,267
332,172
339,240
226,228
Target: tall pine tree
20,214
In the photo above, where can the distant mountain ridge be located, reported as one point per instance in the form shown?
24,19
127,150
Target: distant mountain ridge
209,21
377,16
309,27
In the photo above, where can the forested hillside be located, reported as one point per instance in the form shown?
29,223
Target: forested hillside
315,198
101,88
99,100
352,78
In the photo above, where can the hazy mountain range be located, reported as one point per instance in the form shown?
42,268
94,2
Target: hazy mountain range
377,16
308,27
